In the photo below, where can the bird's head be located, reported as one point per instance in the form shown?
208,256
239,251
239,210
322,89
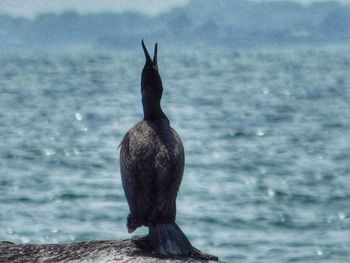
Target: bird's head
151,83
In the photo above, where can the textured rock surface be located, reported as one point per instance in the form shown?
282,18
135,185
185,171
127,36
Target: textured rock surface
89,251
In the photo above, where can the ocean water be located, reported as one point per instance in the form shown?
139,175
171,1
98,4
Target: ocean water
266,135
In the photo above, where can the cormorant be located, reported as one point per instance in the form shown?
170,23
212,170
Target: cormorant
152,163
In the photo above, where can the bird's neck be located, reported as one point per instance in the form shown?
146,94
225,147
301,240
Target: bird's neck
152,110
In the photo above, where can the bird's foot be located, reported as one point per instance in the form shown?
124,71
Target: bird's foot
142,242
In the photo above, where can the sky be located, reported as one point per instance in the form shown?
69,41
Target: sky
30,8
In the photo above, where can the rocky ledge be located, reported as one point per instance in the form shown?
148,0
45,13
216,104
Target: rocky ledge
89,251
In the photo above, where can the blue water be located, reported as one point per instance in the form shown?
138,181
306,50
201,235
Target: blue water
266,135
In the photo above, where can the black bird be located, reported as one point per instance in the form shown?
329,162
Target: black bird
152,164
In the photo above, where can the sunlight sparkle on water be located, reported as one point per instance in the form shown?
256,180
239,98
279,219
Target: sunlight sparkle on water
78,116
341,215
270,192
49,152
260,132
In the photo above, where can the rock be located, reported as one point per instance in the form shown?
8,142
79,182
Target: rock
89,251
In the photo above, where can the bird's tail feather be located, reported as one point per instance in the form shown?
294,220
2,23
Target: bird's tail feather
169,240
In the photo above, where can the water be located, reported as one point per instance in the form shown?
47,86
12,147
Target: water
266,135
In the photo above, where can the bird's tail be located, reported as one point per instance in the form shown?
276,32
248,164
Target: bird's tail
169,240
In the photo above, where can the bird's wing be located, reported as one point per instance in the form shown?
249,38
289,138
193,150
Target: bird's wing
169,166
136,174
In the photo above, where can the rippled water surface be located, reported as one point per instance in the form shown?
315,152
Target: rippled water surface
266,134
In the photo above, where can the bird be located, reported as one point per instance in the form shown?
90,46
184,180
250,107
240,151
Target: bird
152,163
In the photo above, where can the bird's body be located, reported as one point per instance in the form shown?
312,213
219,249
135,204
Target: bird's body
152,164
